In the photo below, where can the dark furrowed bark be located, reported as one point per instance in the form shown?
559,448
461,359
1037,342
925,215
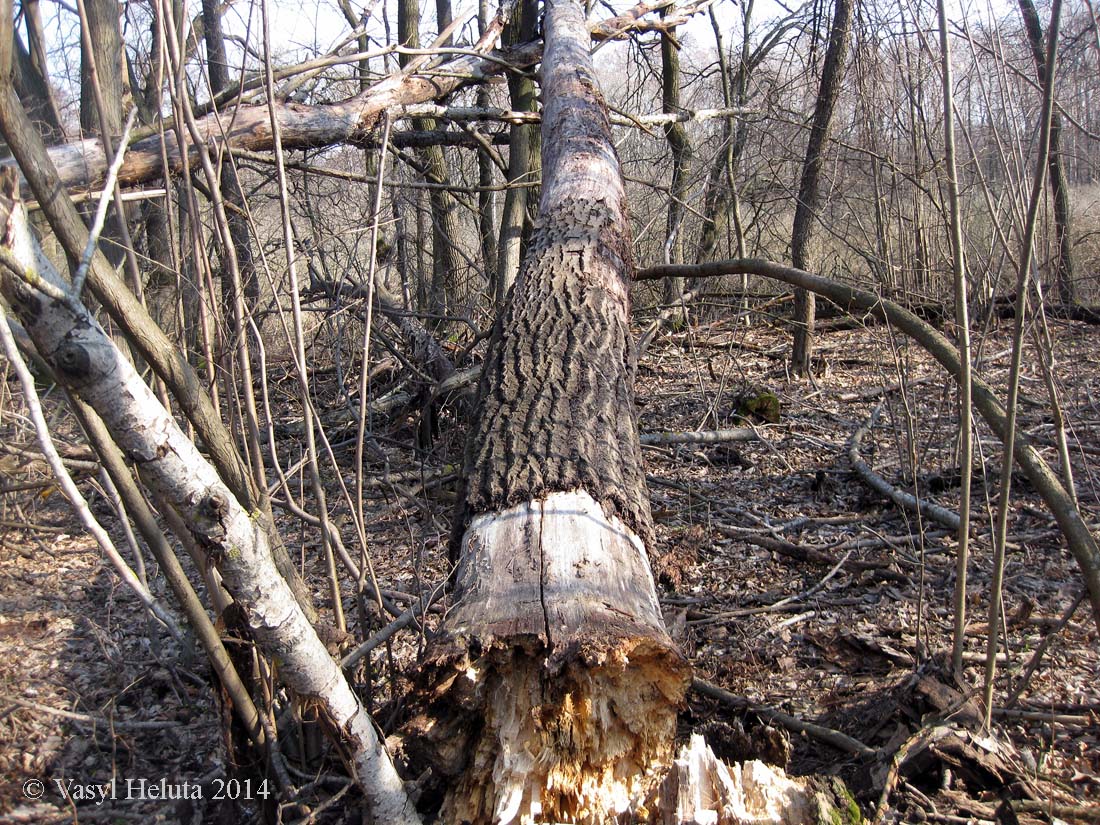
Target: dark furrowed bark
558,410
550,694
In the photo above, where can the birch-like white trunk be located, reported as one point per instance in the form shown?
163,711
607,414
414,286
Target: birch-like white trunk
87,361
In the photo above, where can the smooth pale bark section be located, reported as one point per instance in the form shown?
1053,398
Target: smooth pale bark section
87,361
547,568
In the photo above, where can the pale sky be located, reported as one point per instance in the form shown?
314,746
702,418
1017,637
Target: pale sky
303,29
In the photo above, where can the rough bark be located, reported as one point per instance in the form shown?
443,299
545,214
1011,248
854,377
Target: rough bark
102,67
832,72
556,414
34,91
1082,544
553,687
236,539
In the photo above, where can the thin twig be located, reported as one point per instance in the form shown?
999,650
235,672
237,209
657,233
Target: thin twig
101,210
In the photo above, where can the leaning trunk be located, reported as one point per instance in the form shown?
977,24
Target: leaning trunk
553,687
235,538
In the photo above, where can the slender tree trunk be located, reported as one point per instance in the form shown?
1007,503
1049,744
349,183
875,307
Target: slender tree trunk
556,644
962,322
680,146
101,96
832,72
1059,186
523,157
218,67
486,200
446,259
443,18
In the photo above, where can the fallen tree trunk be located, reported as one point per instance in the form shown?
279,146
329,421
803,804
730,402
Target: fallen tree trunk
551,694
89,364
1082,543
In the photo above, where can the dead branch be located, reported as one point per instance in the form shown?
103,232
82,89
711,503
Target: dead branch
701,436
838,740
881,486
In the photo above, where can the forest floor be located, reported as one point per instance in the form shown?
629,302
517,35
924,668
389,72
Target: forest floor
784,578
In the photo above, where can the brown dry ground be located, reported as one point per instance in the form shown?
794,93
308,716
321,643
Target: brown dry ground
855,652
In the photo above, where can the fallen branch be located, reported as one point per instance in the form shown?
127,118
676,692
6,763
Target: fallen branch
840,741
1082,544
701,436
88,719
880,485
83,163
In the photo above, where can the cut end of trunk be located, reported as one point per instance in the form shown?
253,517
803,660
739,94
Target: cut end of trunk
556,686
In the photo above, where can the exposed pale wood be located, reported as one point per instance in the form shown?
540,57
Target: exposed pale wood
702,790
562,637
702,436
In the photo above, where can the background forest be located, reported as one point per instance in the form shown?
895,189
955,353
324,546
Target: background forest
866,275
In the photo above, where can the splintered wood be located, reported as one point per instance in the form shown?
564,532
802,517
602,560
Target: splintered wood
558,687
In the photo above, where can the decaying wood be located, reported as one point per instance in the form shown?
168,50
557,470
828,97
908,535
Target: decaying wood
1082,543
551,693
700,788
881,486
89,364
